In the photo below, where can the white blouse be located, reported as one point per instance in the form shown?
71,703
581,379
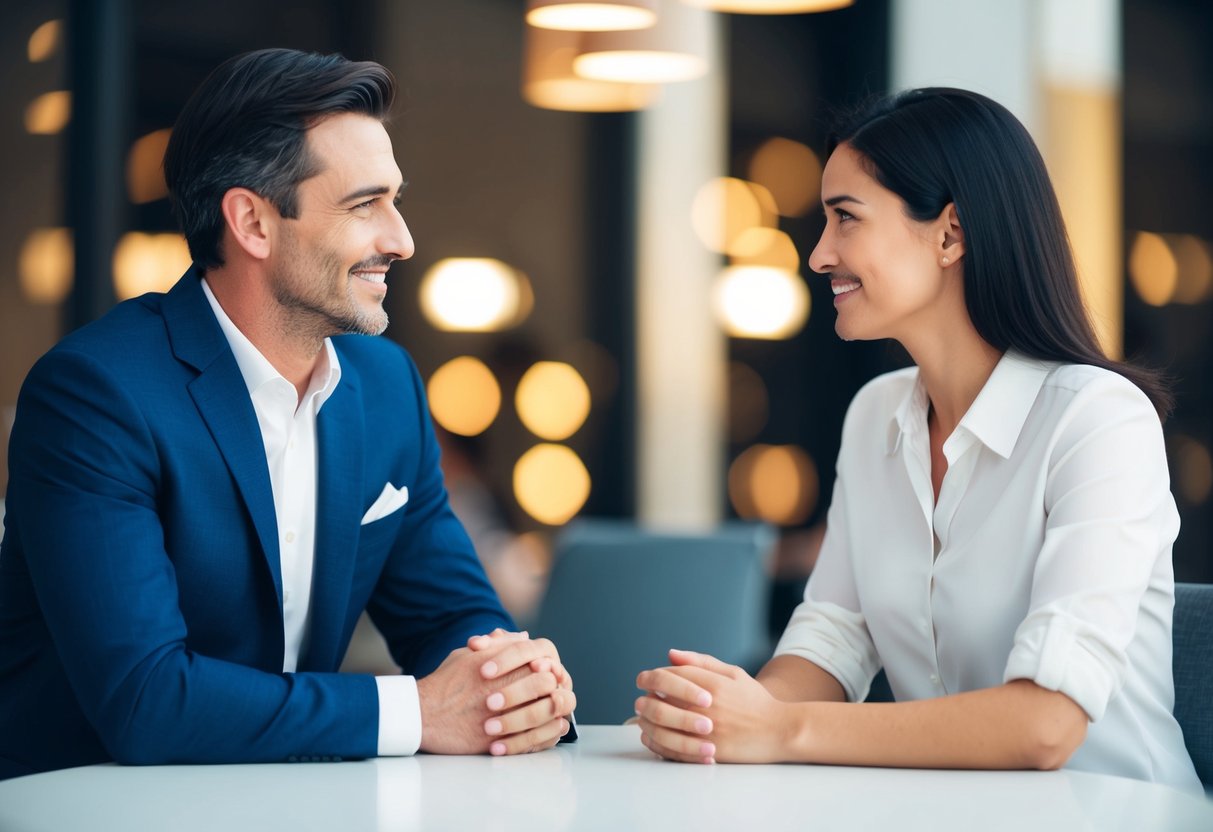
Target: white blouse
1047,556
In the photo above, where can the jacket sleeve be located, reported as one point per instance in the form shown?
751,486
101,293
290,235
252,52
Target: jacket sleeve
84,485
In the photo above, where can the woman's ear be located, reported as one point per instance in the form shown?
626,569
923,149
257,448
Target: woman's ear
952,236
248,217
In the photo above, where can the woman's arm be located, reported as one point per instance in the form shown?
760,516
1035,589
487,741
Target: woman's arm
1017,725
793,679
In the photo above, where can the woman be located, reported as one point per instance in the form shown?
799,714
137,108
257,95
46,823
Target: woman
1001,528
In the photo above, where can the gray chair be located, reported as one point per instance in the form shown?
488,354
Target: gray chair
620,596
1192,664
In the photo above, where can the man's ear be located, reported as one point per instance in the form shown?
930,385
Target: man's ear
249,218
953,236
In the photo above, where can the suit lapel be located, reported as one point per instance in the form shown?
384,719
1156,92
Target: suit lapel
340,433
221,396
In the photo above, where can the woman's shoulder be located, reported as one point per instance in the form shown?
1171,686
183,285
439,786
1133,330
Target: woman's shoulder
1084,384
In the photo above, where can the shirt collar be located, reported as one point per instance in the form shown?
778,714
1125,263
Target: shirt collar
996,416
256,369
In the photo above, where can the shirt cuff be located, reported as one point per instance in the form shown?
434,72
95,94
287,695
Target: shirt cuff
399,716
1067,656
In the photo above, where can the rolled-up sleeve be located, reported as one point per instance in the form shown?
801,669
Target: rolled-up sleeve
1110,516
827,628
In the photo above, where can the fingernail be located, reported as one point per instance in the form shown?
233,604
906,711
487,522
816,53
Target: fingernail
703,726
489,670
545,665
525,634
496,701
659,694
709,761
704,699
564,727
708,749
492,727
497,749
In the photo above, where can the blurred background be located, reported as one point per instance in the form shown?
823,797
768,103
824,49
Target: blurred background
610,300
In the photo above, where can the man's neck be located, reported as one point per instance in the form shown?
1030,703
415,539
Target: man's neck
252,307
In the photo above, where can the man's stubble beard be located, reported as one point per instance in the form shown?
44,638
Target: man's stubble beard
303,288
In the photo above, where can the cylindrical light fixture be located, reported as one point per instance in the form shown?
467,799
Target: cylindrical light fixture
769,6
548,79
675,49
591,15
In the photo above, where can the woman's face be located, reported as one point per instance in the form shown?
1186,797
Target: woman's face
885,268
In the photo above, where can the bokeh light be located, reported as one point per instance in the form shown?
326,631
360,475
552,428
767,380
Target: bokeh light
44,41
724,208
1152,268
765,247
551,483
46,264
600,16
49,113
475,294
791,172
760,302
775,483
770,6
464,396
553,400
1194,263
148,263
145,168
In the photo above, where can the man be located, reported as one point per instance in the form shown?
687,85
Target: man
208,487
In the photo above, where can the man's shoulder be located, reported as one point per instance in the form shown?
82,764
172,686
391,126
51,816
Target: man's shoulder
131,336
130,324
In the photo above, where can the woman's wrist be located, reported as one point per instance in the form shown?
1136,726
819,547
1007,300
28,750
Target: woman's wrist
796,732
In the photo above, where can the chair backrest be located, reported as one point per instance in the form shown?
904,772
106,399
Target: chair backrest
1192,633
620,597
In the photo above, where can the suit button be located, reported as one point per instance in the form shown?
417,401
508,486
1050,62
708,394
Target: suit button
292,759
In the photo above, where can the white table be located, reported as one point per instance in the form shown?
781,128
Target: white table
607,781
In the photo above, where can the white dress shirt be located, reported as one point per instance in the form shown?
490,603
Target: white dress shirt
1046,557
288,431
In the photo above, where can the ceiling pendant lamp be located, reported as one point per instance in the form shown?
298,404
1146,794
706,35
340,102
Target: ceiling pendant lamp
675,49
769,6
591,15
548,80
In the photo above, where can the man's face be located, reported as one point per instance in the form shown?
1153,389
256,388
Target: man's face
330,263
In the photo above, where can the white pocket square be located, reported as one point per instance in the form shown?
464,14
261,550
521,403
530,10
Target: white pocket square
389,500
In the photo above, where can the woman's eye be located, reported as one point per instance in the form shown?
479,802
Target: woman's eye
843,216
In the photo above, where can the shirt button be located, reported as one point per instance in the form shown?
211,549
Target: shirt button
290,537
286,596
291,445
934,679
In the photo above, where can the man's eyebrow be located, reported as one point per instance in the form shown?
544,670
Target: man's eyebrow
835,200
372,190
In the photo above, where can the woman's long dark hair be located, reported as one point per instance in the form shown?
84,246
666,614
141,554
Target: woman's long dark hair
937,145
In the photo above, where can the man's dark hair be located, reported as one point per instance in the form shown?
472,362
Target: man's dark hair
246,127
937,145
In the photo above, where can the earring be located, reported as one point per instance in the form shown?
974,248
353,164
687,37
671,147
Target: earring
945,261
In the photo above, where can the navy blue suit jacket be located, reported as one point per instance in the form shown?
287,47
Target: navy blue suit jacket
140,584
